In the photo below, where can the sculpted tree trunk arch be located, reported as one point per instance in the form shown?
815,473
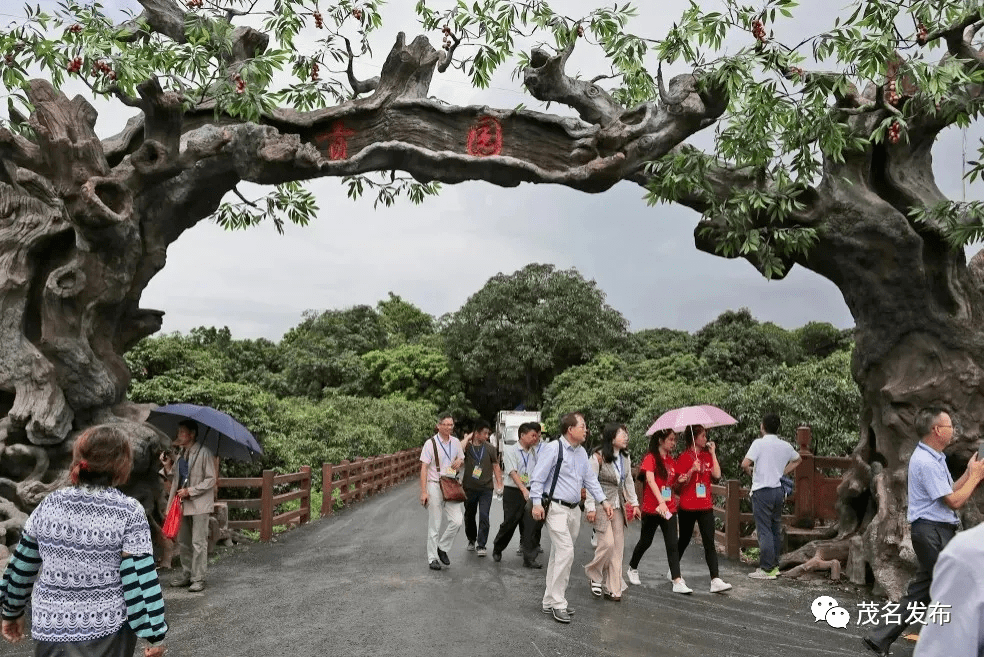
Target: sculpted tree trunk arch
85,224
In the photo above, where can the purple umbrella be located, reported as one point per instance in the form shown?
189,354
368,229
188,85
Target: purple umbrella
707,416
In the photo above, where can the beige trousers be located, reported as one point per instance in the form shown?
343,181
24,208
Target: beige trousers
193,546
438,513
563,525
606,567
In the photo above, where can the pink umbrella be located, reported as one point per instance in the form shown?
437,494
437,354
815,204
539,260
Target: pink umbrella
706,415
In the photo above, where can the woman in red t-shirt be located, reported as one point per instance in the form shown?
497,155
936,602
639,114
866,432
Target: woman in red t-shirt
696,466
659,469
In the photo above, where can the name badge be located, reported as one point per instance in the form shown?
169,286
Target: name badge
701,490
665,492
525,478
477,472
450,472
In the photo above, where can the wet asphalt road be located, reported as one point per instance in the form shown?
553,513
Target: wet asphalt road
358,584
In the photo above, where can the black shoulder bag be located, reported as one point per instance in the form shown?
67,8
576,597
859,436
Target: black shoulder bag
545,501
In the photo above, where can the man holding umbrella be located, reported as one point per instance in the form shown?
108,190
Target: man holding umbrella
193,482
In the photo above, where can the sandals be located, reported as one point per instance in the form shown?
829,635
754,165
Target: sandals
611,596
596,589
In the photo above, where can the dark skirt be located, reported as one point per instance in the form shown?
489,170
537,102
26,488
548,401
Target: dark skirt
121,643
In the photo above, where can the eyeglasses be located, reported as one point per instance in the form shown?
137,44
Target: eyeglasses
945,426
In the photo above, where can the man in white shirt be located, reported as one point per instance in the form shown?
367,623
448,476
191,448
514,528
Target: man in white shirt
958,588
441,455
767,460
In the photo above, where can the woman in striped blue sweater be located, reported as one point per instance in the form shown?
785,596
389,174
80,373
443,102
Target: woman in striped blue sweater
86,554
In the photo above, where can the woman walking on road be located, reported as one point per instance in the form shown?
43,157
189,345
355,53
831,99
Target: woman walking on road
658,507
697,466
86,554
614,470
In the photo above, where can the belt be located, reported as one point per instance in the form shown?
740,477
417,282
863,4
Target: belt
569,505
938,523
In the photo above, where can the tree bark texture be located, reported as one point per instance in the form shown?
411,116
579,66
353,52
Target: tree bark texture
85,225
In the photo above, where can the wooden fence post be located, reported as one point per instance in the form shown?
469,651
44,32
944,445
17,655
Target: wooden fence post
732,523
805,474
306,500
327,486
266,507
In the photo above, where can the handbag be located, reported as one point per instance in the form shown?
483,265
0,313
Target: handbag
172,520
451,489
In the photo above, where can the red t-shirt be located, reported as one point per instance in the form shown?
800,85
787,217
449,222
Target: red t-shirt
649,502
690,499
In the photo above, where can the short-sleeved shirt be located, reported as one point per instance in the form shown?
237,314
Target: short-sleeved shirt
518,460
770,454
447,453
481,458
929,483
81,533
692,497
649,502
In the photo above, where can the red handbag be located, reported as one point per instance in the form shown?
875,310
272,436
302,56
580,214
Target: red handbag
172,521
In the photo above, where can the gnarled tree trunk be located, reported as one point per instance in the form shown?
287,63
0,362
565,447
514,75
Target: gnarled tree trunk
85,225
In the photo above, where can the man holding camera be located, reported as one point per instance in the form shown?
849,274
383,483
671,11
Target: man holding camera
933,502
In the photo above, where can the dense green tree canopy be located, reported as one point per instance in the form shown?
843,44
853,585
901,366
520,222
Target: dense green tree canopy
514,335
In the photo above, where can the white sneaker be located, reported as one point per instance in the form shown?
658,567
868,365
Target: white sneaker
594,539
669,575
758,573
718,585
633,576
681,587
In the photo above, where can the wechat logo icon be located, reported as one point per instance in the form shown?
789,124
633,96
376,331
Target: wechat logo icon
825,608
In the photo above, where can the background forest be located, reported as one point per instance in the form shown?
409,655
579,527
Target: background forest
368,380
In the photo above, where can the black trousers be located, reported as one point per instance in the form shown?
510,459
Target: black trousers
530,535
650,522
705,521
121,643
928,540
478,501
513,505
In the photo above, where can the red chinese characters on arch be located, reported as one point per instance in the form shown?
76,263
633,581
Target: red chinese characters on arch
335,141
485,137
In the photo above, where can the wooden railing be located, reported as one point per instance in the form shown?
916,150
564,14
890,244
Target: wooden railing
356,480
814,498
268,502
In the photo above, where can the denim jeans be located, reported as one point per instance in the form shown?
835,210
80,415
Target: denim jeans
481,501
767,509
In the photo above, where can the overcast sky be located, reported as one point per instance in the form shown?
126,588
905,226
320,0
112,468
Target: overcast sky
436,255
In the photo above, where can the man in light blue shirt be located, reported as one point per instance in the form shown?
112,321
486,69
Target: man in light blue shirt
933,501
564,515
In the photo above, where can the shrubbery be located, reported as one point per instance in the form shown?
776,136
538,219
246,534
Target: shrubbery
364,381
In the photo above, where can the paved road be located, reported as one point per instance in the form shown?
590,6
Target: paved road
358,584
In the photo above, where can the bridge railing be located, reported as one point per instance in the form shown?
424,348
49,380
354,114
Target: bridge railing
814,498
358,479
269,499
